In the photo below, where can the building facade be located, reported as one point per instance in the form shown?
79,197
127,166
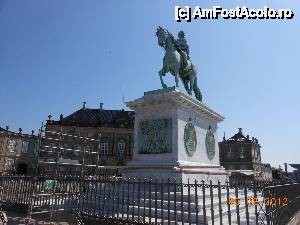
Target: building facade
241,156
87,139
295,175
17,152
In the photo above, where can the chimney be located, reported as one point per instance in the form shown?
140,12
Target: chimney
252,139
240,130
224,137
61,117
20,130
248,136
84,105
101,105
6,127
32,132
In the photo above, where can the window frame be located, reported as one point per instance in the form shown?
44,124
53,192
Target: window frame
104,148
8,164
22,148
230,153
14,148
121,151
243,153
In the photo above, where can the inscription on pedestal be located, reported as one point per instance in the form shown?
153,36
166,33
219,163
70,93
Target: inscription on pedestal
155,136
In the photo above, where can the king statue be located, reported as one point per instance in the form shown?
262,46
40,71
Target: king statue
177,61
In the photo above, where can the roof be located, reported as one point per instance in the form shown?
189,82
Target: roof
239,137
97,118
295,166
12,133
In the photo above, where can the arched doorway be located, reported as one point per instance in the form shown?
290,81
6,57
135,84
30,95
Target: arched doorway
22,169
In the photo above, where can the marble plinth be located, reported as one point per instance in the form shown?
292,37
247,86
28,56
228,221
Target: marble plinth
174,161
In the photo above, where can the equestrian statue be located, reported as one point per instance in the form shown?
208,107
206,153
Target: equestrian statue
177,61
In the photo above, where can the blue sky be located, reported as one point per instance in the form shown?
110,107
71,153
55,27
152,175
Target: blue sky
56,54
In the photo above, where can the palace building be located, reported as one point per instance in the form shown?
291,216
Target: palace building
87,139
17,152
241,156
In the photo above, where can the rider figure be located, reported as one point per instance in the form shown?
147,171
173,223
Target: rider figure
184,49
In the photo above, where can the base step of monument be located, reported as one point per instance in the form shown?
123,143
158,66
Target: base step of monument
164,209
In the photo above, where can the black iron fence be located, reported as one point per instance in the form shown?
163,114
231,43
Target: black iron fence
138,201
282,202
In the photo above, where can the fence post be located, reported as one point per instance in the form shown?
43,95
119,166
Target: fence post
237,206
203,201
212,202
220,202
196,201
228,203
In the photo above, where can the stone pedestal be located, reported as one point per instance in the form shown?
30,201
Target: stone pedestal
175,137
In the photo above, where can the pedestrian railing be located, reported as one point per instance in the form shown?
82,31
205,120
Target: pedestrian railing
152,201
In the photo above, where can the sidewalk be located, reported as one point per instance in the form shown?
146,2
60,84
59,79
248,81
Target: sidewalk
15,218
295,220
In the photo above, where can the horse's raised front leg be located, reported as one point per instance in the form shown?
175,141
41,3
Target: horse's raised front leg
162,73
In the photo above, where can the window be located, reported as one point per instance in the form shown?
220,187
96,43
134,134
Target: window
230,153
104,148
258,156
35,146
243,153
83,134
121,149
12,145
244,167
88,148
25,145
8,164
70,132
231,167
1,142
50,147
77,149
